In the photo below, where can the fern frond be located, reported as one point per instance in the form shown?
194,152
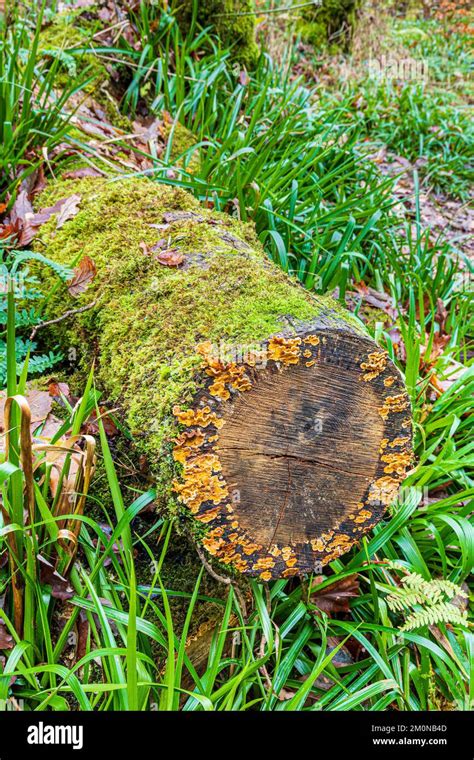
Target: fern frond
431,596
444,612
405,600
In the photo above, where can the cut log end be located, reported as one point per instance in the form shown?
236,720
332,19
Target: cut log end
293,452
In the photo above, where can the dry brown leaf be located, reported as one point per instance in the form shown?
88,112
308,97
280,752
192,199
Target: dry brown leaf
82,635
68,210
335,598
21,208
40,403
84,171
45,214
56,389
451,374
438,345
91,427
6,639
441,315
20,219
9,230
170,258
35,182
84,273
60,587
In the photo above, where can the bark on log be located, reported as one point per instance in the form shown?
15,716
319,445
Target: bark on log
269,416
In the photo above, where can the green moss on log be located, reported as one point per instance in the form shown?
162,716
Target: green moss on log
61,37
180,140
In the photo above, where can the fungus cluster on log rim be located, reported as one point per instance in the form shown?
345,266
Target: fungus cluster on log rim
292,474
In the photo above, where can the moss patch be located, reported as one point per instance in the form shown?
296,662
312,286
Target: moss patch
180,139
67,32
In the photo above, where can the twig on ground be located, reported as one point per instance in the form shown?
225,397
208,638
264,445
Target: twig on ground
66,314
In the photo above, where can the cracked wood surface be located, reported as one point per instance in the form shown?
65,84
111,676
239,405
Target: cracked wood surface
300,451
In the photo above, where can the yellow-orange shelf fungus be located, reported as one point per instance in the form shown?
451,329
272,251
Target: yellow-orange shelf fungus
286,351
200,482
393,404
363,516
397,463
197,417
383,491
187,444
223,373
312,340
374,365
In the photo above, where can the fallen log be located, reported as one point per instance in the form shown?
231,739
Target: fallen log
268,416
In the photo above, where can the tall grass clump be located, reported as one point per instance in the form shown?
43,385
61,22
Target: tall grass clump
32,111
55,653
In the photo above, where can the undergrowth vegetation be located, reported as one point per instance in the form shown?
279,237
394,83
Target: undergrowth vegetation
411,92
32,115
89,616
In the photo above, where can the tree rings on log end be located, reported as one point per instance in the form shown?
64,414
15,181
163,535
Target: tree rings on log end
293,451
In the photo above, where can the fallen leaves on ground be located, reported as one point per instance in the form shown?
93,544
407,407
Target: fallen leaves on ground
43,428
18,223
342,658
91,427
23,223
84,171
435,348
21,208
34,183
170,257
367,299
60,587
442,381
451,219
57,390
82,636
40,403
6,639
335,597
